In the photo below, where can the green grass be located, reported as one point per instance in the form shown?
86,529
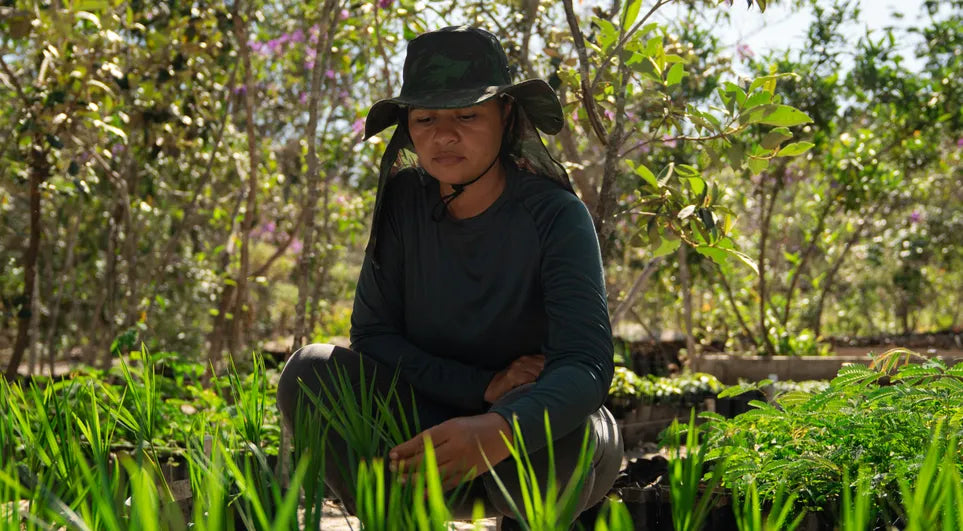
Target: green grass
89,453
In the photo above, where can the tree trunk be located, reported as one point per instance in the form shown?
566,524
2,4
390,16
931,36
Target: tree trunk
309,253
220,326
131,238
53,329
608,194
240,306
766,211
586,186
39,172
735,309
804,259
637,287
108,308
686,299
831,275
167,255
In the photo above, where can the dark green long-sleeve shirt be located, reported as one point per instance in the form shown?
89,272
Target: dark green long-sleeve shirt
455,301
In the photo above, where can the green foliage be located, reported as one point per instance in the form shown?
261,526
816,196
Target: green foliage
692,499
546,505
685,389
750,511
809,442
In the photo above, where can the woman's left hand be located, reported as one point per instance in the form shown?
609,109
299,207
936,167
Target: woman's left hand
459,444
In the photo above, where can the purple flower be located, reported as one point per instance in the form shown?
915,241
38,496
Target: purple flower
575,115
669,141
329,74
309,64
915,217
240,89
296,246
303,98
745,52
297,36
270,227
274,45
343,94
384,4
358,126
959,142
609,115
116,149
345,14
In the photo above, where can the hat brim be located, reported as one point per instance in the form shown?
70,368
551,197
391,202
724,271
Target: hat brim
534,95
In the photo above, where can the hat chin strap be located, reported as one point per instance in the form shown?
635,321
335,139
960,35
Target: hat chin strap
441,207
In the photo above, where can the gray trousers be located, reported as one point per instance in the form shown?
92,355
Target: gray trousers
313,365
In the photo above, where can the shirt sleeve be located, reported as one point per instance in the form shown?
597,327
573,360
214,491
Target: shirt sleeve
378,327
578,348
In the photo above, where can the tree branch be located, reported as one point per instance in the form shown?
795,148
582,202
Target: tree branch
588,98
637,287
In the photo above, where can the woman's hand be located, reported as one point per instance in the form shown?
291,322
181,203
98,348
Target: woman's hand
460,444
522,371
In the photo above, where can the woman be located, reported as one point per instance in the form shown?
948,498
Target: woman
482,281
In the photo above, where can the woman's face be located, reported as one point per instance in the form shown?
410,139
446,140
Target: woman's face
457,145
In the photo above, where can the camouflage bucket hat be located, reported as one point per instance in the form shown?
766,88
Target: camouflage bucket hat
461,66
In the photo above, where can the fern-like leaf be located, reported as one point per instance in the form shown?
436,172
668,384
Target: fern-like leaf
793,399
858,375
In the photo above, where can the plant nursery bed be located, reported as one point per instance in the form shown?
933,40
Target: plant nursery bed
647,421
730,368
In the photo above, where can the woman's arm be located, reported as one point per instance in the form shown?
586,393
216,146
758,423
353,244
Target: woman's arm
578,348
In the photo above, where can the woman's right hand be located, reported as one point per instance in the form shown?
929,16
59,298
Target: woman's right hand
523,370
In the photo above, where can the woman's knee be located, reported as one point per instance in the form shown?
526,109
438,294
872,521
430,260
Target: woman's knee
309,368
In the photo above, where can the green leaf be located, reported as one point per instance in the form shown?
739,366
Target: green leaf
631,13
685,170
779,115
608,33
686,212
675,74
795,149
757,165
746,259
705,215
666,246
759,98
768,81
647,176
698,186
762,5
409,33
774,138
717,255
737,92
